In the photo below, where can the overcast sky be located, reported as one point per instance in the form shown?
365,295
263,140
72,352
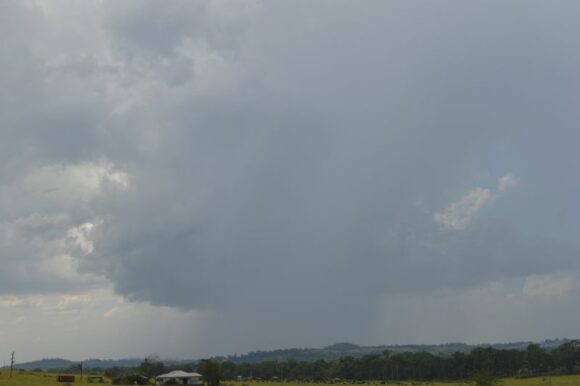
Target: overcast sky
192,178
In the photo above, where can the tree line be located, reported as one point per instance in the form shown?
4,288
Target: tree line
422,366
388,366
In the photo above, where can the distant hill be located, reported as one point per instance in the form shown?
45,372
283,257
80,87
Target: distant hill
60,364
331,352
339,350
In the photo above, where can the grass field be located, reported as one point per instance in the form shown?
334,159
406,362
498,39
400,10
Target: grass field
21,378
540,381
27,378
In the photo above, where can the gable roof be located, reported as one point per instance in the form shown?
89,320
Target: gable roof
178,374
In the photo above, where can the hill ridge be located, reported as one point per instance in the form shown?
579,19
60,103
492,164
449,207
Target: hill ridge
330,352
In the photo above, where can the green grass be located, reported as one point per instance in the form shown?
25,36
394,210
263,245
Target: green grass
567,380
563,380
27,378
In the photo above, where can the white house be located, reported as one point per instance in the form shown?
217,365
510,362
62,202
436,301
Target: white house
180,377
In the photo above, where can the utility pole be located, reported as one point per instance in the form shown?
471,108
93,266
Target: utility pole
11,364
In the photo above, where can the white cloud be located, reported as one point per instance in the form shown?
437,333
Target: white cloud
21,302
80,236
504,183
458,215
48,216
549,286
73,182
74,302
10,301
71,319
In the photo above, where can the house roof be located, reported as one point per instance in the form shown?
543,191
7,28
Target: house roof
178,374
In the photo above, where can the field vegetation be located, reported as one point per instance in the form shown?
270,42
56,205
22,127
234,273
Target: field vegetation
27,378
32,378
483,366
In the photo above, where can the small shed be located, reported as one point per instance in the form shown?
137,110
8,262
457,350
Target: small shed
180,377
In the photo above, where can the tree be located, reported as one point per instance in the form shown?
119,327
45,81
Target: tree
151,366
212,372
537,359
568,355
485,378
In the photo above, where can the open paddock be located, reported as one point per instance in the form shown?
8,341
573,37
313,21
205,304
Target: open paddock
27,378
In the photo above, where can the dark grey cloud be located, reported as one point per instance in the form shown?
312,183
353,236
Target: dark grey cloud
279,165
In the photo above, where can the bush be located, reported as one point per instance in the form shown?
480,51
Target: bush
134,379
484,379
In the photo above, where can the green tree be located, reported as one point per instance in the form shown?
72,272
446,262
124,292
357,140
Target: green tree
537,359
212,372
151,366
484,378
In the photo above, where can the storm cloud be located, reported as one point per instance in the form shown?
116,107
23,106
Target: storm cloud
297,172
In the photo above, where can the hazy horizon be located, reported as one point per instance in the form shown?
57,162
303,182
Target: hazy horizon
217,176
169,358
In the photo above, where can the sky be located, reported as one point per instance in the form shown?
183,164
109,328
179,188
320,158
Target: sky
194,178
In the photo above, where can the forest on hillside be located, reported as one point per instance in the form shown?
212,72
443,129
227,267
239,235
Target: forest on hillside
422,366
